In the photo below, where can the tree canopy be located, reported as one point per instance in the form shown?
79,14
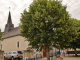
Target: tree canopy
75,43
68,33
47,22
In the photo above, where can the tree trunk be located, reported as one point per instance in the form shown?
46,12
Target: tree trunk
47,50
75,52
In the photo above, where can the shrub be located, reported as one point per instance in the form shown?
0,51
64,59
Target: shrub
73,52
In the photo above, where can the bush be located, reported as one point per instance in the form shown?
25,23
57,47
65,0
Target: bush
73,52
0,50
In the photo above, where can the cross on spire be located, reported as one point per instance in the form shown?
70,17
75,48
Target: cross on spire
9,8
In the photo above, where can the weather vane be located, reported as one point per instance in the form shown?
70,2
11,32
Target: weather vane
9,8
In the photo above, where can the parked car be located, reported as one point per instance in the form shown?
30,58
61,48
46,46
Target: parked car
4,54
13,54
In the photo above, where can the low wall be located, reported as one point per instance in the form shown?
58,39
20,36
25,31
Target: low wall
1,55
28,54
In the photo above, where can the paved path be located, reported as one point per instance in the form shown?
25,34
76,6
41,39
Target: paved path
64,58
44,58
71,58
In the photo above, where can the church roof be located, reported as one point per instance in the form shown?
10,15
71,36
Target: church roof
11,33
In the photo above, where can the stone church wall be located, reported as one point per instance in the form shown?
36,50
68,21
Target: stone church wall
10,44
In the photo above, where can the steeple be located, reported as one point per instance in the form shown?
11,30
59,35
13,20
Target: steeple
9,24
9,18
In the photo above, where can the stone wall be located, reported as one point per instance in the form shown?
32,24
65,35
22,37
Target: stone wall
1,55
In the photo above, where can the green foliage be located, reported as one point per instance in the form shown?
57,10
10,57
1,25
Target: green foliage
1,35
0,50
48,23
44,15
76,43
73,52
68,33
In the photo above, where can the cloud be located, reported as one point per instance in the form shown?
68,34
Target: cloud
73,7
18,6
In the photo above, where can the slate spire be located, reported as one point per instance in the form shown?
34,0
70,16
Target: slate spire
9,24
9,18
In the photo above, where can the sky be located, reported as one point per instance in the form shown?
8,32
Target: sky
17,7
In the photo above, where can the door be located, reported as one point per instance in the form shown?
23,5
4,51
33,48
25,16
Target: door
44,51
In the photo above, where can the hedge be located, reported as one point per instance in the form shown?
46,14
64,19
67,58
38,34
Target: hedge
73,52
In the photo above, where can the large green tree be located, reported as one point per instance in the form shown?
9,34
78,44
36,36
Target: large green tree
75,43
67,33
47,22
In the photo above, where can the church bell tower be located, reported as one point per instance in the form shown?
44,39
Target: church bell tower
9,24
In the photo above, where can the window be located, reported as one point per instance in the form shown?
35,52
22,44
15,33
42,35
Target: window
18,44
14,52
9,52
19,52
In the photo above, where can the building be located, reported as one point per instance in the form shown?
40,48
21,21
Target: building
13,41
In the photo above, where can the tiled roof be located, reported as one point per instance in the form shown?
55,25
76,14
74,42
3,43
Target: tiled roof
13,32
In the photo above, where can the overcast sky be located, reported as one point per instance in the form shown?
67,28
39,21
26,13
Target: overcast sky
17,7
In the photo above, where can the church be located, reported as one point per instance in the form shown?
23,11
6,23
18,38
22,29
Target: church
13,41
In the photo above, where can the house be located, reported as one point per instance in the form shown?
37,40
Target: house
13,41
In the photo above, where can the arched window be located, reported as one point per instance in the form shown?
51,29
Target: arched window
18,44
